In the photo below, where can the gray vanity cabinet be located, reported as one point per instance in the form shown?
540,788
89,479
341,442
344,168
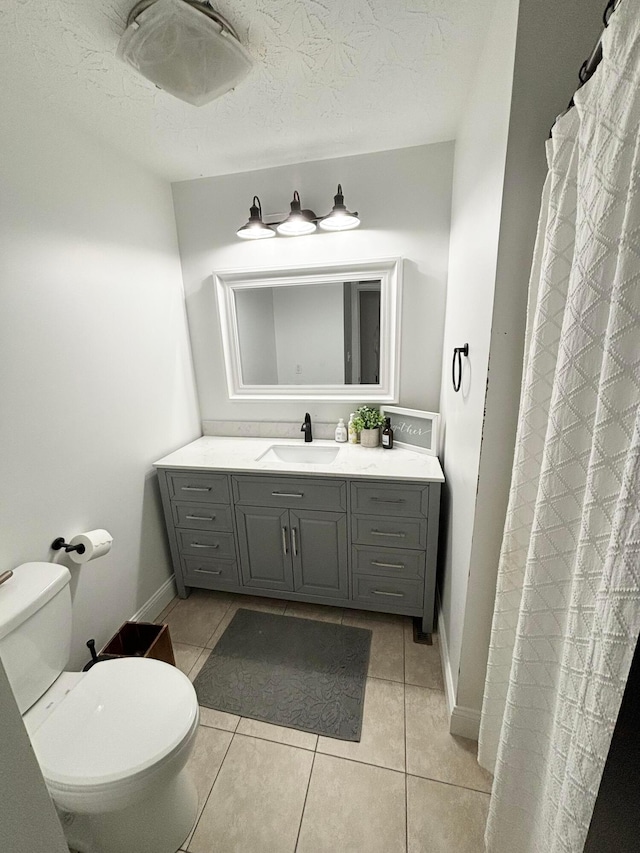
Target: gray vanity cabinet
303,552
363,543
319,553
263,540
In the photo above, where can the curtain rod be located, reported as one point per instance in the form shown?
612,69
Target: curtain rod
588,67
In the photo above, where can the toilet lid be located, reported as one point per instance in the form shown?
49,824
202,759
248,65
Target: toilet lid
124,716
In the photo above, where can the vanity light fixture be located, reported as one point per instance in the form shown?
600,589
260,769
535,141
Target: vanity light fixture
255,229
340,219
300,221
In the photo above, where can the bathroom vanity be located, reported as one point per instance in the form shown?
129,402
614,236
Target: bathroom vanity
329,524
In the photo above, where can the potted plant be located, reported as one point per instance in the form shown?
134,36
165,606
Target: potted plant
368,422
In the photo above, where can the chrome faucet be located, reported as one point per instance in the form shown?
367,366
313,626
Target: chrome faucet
306,427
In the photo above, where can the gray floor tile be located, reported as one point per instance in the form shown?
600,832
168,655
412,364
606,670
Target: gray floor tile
257,800
256,602
186,656
193,620
387,642
434,753
163,613
205,761
382,741
353,808
444,818
222,627
422,665
278,734
314,611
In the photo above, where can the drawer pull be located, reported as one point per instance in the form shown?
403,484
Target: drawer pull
284,541
387,565
389,500
200,517
198,545
287,494
196,488
294,541
394,535
390,594
207,572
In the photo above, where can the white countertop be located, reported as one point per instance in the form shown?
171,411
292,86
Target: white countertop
213,453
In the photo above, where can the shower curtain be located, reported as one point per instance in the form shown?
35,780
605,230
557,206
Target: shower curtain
567,612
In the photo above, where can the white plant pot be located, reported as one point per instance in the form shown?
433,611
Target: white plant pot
370,437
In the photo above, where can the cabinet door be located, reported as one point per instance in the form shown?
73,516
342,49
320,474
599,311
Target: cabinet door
265,552
319,551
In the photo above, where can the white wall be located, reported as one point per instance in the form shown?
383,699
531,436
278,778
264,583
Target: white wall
480,156
552,41
28,820
95,371
403,198
309,327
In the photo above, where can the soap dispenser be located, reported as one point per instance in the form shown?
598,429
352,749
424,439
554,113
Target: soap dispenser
341,431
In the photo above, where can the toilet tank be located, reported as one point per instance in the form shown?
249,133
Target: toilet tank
35,628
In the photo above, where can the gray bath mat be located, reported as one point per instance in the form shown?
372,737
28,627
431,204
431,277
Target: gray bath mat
293,672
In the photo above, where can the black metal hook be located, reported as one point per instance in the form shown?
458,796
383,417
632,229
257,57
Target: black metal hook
456,366
59,543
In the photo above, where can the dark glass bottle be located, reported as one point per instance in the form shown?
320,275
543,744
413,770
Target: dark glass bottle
387,435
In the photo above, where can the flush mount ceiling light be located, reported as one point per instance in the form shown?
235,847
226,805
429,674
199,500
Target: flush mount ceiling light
185,47
300,221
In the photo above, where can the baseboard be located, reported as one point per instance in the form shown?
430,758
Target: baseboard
465,722
462,721
157,603
449,691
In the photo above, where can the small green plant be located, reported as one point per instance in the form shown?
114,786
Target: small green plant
367,418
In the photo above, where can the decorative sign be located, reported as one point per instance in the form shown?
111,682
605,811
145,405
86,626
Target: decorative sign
415,429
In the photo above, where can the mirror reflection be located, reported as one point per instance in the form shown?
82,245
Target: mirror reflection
322,334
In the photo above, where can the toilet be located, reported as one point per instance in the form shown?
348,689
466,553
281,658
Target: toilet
112,743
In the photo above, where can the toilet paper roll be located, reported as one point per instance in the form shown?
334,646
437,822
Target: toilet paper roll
96,543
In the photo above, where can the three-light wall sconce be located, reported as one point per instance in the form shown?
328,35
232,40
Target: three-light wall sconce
299,221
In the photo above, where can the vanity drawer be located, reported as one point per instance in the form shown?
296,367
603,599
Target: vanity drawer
202,516
387,562
395,594
210,573
201,543
389,499
291,492
389,532
199,488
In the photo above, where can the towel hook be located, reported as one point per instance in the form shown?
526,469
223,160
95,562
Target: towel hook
456,367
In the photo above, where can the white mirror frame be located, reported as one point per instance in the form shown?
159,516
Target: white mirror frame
388,270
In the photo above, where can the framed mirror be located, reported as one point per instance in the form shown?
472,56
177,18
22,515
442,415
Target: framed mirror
313,333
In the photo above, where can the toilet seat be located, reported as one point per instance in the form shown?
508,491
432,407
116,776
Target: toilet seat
126,720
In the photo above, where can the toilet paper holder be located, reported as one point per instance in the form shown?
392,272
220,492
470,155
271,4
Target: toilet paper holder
59,543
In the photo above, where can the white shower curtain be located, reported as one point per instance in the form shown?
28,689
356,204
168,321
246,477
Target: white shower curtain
567,612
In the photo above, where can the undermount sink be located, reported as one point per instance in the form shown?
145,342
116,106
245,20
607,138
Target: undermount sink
300,453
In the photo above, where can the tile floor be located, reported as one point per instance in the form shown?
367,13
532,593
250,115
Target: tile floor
407,786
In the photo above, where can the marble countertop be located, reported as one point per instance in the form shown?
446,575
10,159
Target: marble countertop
213,453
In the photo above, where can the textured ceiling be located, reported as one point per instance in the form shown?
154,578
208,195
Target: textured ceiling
332,78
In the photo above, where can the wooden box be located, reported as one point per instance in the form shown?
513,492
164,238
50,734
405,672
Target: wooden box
141,639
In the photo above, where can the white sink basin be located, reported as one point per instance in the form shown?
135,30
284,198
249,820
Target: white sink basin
300,453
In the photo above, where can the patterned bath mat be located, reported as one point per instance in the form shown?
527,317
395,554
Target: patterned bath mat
293,672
